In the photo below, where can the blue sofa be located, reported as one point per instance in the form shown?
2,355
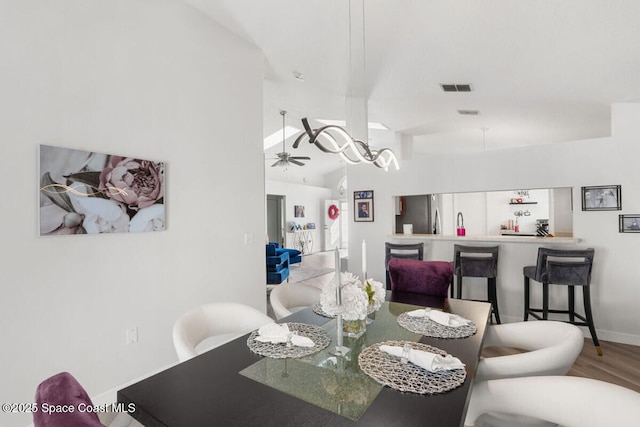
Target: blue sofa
295,255
277,266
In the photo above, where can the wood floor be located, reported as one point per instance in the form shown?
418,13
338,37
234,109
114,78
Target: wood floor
619,364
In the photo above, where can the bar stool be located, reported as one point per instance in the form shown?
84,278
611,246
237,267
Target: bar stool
403,251
478,261
562,267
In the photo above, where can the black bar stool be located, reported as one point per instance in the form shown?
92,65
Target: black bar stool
478,261
403,251
562,267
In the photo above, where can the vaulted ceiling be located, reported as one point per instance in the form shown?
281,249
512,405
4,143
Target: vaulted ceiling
541,71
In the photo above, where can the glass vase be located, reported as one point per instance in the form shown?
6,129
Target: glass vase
354,328
371,314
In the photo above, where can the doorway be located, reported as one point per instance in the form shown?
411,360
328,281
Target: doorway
344,225
275,219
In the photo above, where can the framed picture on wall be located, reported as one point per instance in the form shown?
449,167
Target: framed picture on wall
87,192
602,198
299,211
363,206
629,223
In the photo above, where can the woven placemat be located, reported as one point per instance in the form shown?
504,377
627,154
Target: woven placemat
317,309
429,328
390,371
317,334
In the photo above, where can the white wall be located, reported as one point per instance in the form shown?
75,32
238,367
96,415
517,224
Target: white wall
604,161
332,180
148,78
312,198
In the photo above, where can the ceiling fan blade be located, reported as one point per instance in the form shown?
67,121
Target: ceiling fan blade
300,157
278,163
295,162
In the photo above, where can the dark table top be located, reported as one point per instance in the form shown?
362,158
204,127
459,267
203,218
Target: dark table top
209,391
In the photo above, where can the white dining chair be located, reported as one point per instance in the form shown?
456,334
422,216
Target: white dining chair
550,347
288,298
560,400
209,325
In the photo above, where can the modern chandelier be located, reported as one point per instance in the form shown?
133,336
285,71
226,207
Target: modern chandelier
335,139
351,150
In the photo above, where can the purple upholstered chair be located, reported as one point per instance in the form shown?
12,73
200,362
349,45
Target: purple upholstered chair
64,389
424,277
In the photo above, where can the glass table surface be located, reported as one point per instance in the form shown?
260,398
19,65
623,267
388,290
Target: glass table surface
335,383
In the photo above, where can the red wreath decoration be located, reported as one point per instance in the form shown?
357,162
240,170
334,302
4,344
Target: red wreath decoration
333,212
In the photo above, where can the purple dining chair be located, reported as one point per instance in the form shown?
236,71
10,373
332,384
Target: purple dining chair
423,277
63,391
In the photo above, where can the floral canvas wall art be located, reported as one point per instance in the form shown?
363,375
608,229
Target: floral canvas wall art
83,192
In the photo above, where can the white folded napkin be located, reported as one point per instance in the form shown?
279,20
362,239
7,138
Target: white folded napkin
276,333
430,361
446,319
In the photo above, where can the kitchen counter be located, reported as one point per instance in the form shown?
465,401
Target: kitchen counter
516,252
511,238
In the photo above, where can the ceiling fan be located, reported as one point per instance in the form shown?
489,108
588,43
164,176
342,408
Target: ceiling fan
284,158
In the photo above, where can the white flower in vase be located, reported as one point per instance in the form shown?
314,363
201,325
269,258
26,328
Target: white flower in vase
347,278
376,294
354,302
354,298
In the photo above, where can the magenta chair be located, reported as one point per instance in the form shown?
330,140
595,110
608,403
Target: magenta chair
64,389
423,277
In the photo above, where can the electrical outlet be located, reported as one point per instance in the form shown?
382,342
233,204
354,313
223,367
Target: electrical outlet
248,239
132,335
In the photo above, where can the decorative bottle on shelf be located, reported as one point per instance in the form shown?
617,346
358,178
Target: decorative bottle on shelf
460,231
516,227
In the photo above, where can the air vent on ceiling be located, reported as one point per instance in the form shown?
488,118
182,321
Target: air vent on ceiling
469,112
447,87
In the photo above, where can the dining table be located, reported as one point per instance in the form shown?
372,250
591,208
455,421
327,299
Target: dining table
231,385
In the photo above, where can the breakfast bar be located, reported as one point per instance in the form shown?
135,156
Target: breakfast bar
515,253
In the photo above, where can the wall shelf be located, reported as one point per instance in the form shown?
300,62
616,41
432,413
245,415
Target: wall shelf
524,203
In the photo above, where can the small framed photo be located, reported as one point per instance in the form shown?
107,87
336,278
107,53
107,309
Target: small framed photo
299,211
363,206
629,223
602,198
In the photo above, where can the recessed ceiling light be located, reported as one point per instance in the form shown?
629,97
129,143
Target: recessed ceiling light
342,123
456,87
276,137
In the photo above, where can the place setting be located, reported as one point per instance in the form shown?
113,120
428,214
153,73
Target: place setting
288,340
437,324
412,367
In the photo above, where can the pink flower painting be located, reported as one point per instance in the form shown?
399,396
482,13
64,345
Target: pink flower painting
83,192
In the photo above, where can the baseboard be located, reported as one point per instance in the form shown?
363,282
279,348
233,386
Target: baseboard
111,396
617,337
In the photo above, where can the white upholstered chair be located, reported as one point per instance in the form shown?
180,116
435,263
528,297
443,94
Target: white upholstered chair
551,349
287,298
214,323
561,400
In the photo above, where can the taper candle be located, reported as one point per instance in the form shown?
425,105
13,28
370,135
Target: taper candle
339,338
364,260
